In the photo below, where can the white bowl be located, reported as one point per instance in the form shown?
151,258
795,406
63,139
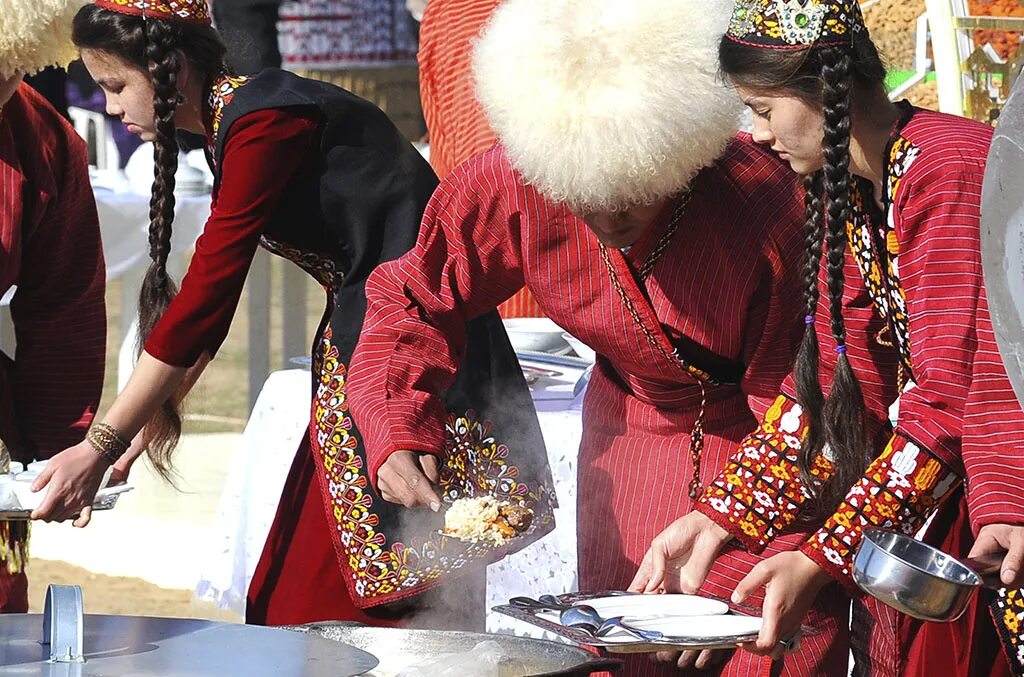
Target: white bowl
27,499
536,334
580,348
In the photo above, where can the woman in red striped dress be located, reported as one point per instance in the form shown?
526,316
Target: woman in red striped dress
622,198
899,311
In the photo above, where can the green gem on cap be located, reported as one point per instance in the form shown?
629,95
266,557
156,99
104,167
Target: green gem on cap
802,20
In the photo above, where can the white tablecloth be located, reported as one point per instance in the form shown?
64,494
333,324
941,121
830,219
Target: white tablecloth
253,486
261,463
124,226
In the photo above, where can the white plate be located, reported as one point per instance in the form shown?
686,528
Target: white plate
708,631
537,334
635,607
580,348
702,627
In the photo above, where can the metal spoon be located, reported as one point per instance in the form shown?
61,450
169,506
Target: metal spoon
536,605
554,602
616,623
583,614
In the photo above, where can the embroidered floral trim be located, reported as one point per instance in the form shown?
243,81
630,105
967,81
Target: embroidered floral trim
898,491
876,254
383,563
876,250
1008,613
901,157
785,24
322,269
760,491
221,94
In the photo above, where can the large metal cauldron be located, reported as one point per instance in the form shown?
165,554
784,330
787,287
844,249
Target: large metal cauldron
1002,235
398,649
65,643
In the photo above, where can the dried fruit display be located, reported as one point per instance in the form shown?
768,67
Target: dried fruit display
892,25
1005,43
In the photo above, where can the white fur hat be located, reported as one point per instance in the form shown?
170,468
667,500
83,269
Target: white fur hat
35,34
601,104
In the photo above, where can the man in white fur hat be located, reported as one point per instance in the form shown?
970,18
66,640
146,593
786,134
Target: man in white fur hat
50,250
621,194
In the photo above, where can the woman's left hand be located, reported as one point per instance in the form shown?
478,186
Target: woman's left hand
791,581
73,477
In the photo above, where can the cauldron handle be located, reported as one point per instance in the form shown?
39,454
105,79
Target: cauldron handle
63,623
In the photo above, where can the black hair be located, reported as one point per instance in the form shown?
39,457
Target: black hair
830,77
156,47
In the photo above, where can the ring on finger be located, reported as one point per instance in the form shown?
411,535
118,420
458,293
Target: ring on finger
787,644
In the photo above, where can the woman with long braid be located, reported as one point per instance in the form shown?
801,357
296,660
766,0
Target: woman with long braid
893,196
322,178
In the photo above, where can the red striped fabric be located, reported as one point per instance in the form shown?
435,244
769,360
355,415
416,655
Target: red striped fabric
456,122
722,293
963,406
50,248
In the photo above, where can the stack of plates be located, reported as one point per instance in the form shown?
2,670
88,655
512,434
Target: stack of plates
686,621
17,500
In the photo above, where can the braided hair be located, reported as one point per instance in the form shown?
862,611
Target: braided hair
158,48
830,78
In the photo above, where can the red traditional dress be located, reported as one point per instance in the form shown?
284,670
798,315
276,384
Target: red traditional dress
50,250
455,120
916,314
708,288
322,178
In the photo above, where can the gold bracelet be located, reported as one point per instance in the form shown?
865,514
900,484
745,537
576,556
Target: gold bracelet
107,442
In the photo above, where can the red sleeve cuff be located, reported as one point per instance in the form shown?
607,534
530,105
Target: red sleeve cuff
391,427
760,492
1003,506
837,572
899,490
996,498
751,542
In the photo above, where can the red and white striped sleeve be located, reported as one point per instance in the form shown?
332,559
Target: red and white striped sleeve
465,262
963,408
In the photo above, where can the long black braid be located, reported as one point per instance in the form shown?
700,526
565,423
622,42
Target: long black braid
828,78
805,373
844,412
160,49
158,289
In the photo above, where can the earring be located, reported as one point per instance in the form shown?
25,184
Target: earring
181,99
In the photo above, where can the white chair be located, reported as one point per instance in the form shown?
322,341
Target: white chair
94,128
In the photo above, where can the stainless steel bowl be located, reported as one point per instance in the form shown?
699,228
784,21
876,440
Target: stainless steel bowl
913,577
